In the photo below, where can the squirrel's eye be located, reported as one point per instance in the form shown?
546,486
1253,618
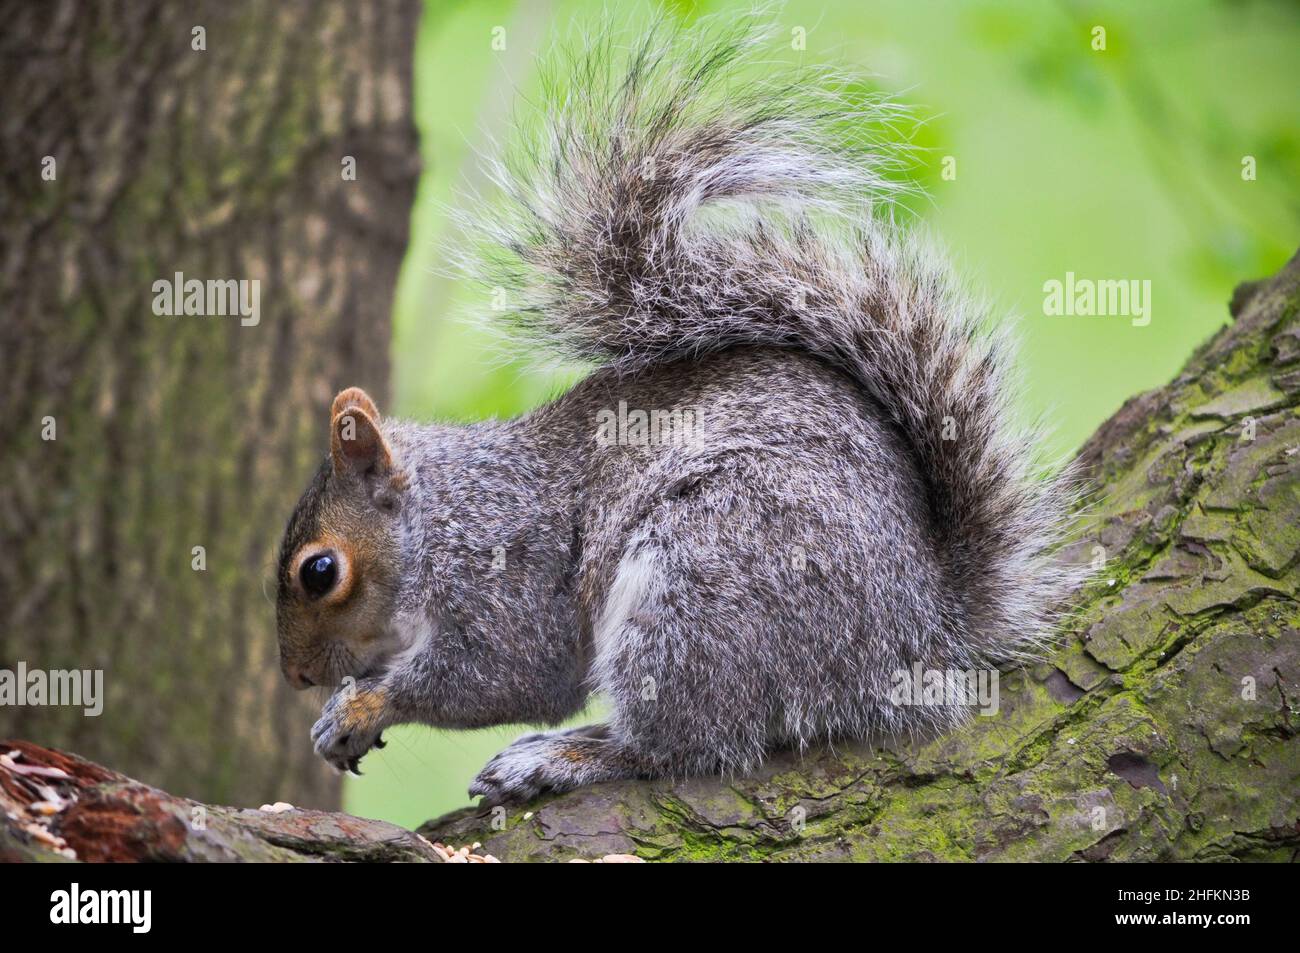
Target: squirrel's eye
318,574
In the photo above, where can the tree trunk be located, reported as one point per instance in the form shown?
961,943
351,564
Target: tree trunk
208,139
1164,728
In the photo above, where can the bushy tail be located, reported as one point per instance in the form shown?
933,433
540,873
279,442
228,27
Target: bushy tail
680,203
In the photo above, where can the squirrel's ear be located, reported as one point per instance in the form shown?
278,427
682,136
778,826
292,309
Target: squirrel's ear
354,397
356,444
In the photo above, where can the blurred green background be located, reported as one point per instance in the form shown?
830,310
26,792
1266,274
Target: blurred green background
1124,163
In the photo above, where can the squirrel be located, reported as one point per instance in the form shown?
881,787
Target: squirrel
842,493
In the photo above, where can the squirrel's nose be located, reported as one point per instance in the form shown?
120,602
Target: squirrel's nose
297,677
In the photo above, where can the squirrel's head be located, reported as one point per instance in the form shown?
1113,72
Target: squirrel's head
339,562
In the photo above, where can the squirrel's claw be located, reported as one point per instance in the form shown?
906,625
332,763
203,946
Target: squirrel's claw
341,738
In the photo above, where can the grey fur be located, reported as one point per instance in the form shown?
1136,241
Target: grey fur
857,499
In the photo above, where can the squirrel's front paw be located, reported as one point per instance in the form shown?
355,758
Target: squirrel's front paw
351,723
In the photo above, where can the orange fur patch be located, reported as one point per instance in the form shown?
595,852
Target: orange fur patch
363,709
575,755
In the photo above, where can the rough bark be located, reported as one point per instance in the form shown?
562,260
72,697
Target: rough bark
59,807
180,432
1164,728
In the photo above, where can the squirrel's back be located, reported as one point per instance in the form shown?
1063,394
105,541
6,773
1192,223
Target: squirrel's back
676,207
764,512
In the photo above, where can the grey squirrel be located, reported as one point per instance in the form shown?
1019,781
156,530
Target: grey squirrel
842,491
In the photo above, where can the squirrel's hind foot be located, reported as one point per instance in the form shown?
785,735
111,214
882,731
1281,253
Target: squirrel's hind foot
552,761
